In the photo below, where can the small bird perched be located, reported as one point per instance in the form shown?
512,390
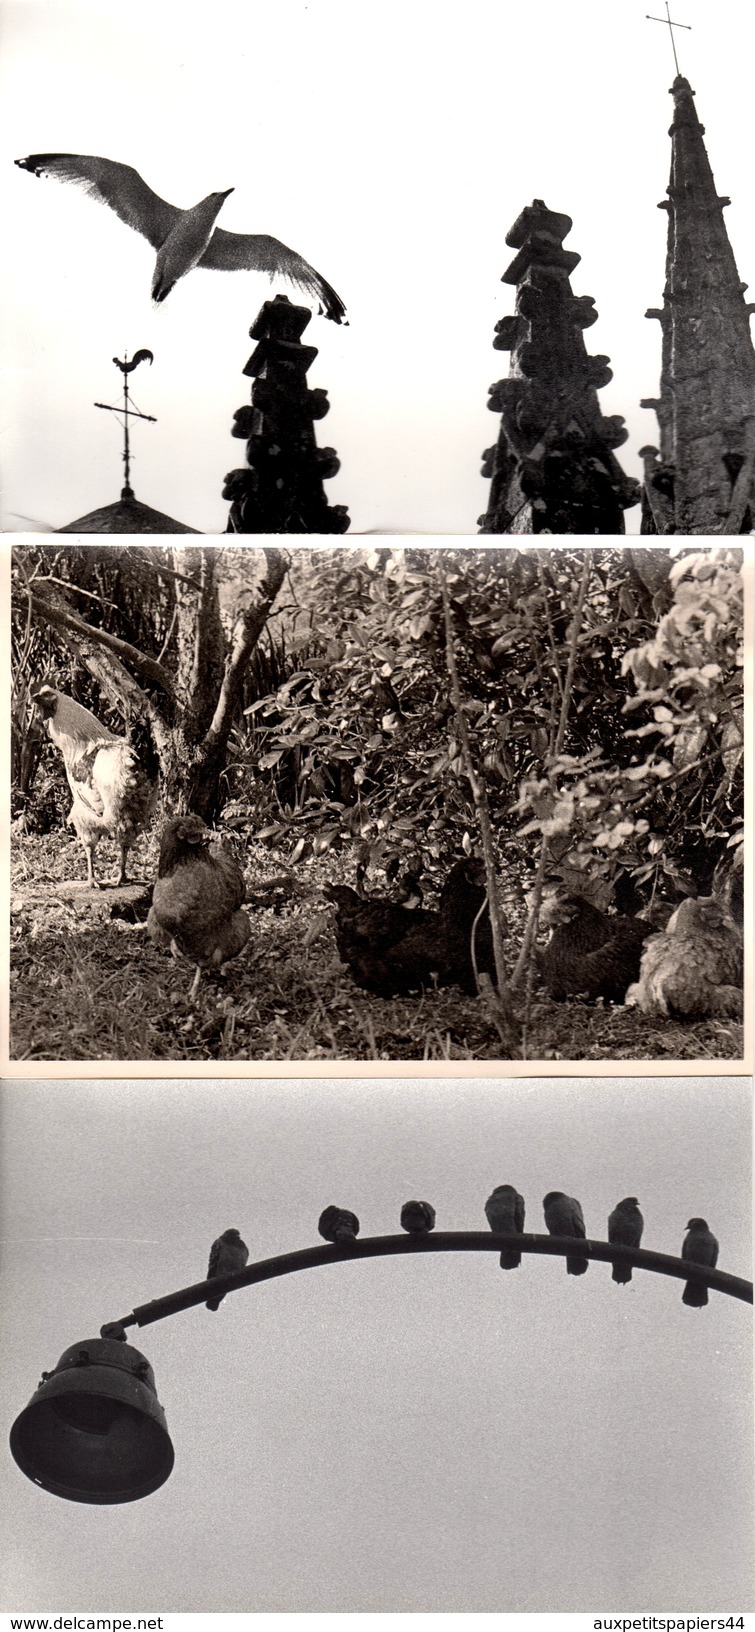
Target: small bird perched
698,1247
590,954
338,1224
114,794
183,238
695,967
227,1255
625,1227
563,1216
197,898
504,1211
417,1217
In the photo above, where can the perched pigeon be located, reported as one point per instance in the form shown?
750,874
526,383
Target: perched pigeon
563,1216
625,1226
183,238
504,1211
227,1255
700,1247
338,1224
417,1217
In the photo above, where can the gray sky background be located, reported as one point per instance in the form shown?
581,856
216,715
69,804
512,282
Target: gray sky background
393,146
391,1435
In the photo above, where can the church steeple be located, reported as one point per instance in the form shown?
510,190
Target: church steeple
553,469
703,478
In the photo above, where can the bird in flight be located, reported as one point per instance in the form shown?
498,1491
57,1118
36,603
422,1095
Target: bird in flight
183,238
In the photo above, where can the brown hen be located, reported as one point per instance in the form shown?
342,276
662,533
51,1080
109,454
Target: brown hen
197,898
695,968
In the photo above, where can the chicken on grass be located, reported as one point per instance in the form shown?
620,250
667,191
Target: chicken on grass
392,950
114,791
197,898
590,954
695,968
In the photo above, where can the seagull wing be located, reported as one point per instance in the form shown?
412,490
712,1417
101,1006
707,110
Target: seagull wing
110,183
256,252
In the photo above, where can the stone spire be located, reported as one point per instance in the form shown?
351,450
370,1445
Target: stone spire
552,469
703,478
280,490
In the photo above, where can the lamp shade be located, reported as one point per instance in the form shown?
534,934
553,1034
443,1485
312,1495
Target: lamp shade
95,1431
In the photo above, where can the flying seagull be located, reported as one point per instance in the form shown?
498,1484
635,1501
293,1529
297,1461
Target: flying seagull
183,238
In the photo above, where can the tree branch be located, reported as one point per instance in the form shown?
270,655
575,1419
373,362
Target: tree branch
249,629
499,1007
145,667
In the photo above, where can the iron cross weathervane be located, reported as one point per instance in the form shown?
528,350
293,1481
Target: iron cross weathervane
671,26
127,368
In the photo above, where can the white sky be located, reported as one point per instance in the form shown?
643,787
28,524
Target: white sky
393,145
390,1435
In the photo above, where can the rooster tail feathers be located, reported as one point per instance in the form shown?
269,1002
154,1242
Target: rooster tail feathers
72,720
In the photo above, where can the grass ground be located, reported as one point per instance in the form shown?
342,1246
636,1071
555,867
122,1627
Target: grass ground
85,986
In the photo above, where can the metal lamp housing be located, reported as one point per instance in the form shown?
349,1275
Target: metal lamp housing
95,1430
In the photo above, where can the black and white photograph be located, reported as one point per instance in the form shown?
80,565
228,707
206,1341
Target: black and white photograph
504,248
376,873
516,1375
381,803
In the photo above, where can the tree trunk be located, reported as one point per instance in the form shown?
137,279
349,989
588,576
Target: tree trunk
189,695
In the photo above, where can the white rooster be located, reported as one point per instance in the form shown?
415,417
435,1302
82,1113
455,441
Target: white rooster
114,795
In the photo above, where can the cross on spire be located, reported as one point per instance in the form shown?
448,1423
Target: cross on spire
128,412
671,26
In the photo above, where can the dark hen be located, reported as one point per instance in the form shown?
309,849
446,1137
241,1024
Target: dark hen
392,951
368,925
589,954
197,898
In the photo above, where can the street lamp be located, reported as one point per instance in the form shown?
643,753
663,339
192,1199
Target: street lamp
95,1431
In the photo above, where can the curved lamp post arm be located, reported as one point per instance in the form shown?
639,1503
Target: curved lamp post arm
380,1246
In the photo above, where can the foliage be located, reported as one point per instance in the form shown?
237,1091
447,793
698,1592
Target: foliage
667,814
362,738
